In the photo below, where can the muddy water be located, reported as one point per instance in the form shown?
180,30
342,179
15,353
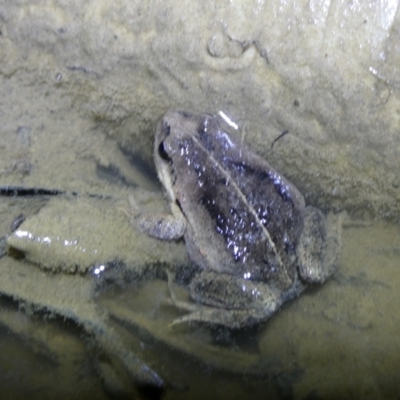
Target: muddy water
67,333
339,340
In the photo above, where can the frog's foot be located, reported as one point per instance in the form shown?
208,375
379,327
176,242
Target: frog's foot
133,211
234,319
183,305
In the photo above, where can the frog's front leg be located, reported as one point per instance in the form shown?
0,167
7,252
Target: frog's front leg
223,299
163,226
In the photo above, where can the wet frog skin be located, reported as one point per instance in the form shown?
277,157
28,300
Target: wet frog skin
244,224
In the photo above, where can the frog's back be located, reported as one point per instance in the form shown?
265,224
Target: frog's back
243,216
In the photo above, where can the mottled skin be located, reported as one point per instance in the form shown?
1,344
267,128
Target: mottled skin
244,224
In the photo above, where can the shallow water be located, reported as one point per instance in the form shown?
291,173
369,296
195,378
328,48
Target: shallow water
70,334
338,340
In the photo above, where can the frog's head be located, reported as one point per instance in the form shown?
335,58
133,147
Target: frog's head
162,158
174,131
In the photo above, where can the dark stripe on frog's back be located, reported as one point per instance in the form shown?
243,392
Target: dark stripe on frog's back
235,160
256,180
243,237
227,211
280,208
268,189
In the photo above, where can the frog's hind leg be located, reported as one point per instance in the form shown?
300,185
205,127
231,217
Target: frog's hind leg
319,245
223,299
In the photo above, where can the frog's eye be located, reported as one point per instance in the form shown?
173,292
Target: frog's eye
163,154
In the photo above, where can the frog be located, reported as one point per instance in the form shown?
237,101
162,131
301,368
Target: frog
246,227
